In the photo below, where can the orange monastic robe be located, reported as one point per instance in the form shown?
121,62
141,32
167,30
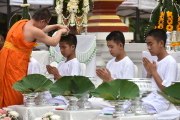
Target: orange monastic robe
14,58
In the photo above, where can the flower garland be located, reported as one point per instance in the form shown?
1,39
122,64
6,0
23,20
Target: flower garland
71,14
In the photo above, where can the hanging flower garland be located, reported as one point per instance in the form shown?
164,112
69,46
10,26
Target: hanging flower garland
73,12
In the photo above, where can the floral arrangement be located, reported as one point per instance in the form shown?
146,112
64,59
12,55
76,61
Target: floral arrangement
49,116
73,12
8,114
166,15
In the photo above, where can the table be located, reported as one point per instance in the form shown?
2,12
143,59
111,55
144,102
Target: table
77,115
30,113
141,117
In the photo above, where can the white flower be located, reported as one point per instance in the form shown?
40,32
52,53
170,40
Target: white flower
55,117
48,114
14,114
72,6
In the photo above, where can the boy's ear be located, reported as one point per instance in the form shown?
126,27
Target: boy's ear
120,44
73,46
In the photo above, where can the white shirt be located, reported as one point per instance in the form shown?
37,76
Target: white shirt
71,67
34,66
167,69
122,69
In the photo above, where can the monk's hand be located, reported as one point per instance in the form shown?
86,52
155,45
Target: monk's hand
64,31
104,74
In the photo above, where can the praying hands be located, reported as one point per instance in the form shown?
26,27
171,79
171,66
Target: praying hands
104,74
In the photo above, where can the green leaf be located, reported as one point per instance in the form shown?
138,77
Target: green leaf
33,83
170,99
118,89
155,14
72,86
173,91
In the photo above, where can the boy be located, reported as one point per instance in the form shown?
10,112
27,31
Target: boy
162,72
71,65
120,66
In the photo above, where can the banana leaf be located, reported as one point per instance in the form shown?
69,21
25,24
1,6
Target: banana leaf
118,89
33,83
171,93
171,99
72,86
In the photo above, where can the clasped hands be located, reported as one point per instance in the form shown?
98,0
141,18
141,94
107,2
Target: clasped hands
150,67
104,74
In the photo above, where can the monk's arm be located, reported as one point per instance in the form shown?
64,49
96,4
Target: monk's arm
49,28
39,35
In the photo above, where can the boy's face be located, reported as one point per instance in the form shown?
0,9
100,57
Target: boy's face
66,49
153,45
114,48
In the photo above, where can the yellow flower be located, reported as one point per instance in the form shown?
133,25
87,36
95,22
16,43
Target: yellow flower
162,13
169,21
178,27
161,21
169,13
169,28
160,26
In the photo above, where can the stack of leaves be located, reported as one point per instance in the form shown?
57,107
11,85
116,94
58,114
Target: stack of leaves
72,86
171,93
118,89
33,83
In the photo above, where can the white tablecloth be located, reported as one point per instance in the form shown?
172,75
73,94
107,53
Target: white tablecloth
30,113
77,115
141,117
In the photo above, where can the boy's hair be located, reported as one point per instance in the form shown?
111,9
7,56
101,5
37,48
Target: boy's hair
158,34
70,39
116,36
42,14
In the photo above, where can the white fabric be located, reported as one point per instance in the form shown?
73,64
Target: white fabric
122,69
33,66
43,58
167,69
140,117
77,115
98,103
71,67
83,69
171,114
30,113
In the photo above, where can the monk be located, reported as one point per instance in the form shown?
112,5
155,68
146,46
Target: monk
15,54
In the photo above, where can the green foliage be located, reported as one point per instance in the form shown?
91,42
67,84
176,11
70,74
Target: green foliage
33,83
171,93
118,89
72,86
